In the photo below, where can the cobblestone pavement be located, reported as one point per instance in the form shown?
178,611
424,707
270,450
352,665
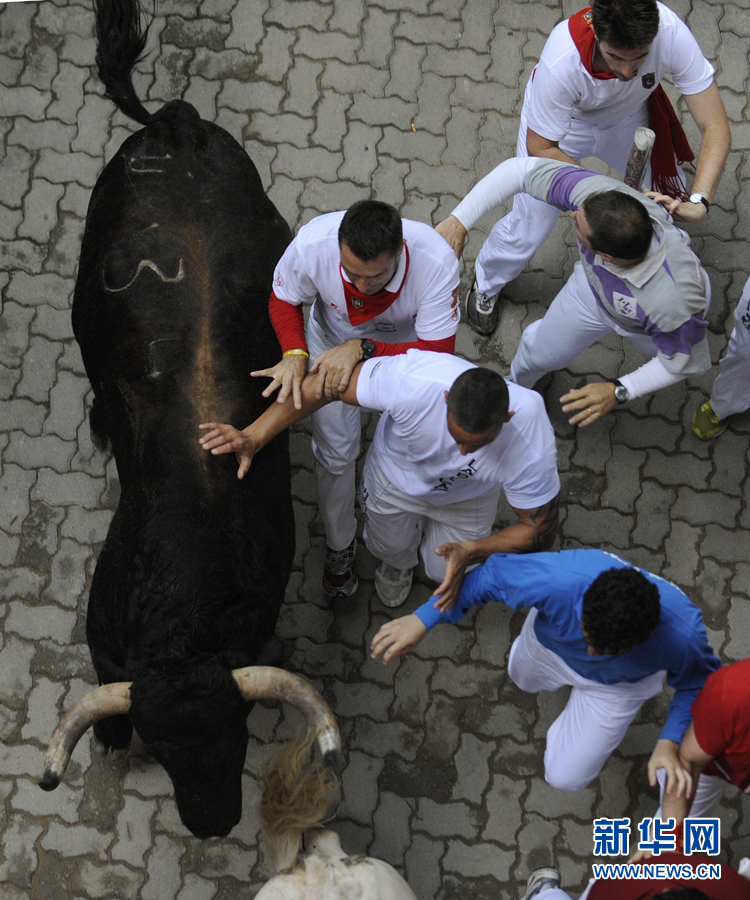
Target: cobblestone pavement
335,101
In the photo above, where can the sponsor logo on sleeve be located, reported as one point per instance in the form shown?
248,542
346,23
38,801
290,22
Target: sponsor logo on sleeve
624,306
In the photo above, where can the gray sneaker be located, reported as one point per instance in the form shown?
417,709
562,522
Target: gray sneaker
391,584
541,880
482,310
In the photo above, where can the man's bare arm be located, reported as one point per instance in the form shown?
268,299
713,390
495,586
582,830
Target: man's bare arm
710,116
535,531
222,438
544,147
694,759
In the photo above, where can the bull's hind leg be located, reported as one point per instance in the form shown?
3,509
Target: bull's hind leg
113,734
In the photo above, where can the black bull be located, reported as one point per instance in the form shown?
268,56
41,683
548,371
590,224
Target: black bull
170,310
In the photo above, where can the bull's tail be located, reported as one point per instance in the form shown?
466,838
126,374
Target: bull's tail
121,39
297,794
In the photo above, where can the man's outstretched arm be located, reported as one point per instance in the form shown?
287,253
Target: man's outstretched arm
535,531
222,438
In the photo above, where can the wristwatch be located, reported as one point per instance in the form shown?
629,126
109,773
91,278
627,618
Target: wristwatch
368,348
699,198
621,393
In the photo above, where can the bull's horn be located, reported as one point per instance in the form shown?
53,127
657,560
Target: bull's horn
270,683
107,700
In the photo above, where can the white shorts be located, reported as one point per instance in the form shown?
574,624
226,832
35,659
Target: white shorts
397,526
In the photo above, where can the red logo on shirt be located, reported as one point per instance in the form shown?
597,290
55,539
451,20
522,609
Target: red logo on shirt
454,304
278,280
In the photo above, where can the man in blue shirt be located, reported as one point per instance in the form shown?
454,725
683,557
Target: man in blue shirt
599,624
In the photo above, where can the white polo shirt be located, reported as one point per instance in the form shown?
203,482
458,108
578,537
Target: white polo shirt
426,307
562,90
417,454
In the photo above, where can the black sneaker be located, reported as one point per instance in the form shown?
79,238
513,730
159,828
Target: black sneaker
339,578
482,310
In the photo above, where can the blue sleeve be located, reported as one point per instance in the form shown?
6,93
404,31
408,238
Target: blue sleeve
697,662
486,584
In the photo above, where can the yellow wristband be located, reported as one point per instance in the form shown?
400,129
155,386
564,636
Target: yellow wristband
298,352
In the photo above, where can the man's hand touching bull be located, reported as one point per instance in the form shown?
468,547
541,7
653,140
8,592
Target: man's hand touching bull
223,438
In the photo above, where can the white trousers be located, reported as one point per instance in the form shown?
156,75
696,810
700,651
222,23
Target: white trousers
572,323
398,526
516,237
595,717
335,445
731,390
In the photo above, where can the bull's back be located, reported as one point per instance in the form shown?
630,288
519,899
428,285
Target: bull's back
172,295
171,312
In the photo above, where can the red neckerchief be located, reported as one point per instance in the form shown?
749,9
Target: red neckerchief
362,307
671,140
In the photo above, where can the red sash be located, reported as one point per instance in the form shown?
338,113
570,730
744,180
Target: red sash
671,140
362,307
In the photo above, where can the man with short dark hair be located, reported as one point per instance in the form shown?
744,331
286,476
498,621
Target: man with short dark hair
637,276
598,79
450,438
378,285
597,623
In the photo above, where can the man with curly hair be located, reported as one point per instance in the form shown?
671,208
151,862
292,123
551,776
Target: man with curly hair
599,624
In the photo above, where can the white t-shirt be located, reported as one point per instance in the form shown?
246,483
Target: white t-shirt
426,308
417,454
562,90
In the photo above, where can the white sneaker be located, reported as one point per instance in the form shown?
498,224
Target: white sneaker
541,880
391,584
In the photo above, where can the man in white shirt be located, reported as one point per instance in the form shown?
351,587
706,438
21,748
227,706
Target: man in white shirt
597,80
379,285
452,435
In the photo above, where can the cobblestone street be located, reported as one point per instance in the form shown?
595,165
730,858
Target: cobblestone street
408,101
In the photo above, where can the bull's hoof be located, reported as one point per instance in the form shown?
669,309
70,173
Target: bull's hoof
49,781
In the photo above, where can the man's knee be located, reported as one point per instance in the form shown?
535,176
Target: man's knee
561,775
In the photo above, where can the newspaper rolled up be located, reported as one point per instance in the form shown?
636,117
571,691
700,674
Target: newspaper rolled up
640,154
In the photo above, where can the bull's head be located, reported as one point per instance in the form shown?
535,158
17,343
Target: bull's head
198,733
